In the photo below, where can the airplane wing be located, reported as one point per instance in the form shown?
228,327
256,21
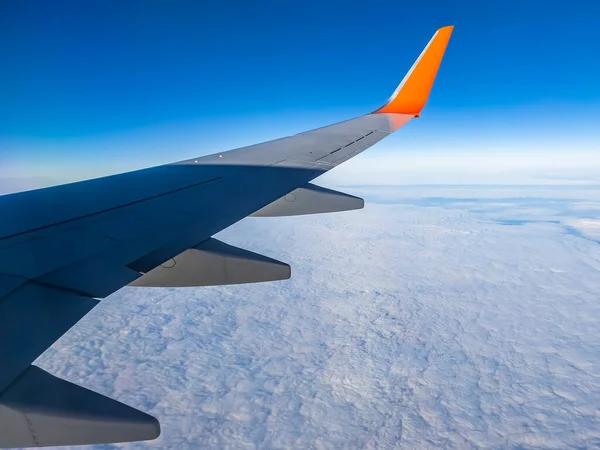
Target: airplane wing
64,248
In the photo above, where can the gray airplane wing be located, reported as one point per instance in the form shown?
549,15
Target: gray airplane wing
64,248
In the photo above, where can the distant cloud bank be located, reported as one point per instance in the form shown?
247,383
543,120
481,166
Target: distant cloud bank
398,167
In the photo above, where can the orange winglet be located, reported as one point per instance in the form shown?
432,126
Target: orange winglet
411,94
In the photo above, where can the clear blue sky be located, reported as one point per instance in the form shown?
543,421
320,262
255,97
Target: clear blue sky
78,71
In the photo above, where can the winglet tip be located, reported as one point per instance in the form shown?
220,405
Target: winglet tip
412,93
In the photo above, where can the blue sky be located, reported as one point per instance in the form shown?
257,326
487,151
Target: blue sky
101,86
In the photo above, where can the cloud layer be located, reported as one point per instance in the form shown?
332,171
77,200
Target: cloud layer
433,318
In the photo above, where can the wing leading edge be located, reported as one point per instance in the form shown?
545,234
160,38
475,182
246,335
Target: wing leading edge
64,248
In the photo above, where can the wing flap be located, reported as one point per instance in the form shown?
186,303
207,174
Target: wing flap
214,263
310,199
39,410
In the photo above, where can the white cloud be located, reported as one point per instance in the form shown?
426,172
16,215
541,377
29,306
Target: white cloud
589,228
403,325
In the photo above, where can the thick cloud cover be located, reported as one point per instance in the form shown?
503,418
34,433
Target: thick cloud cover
435,317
